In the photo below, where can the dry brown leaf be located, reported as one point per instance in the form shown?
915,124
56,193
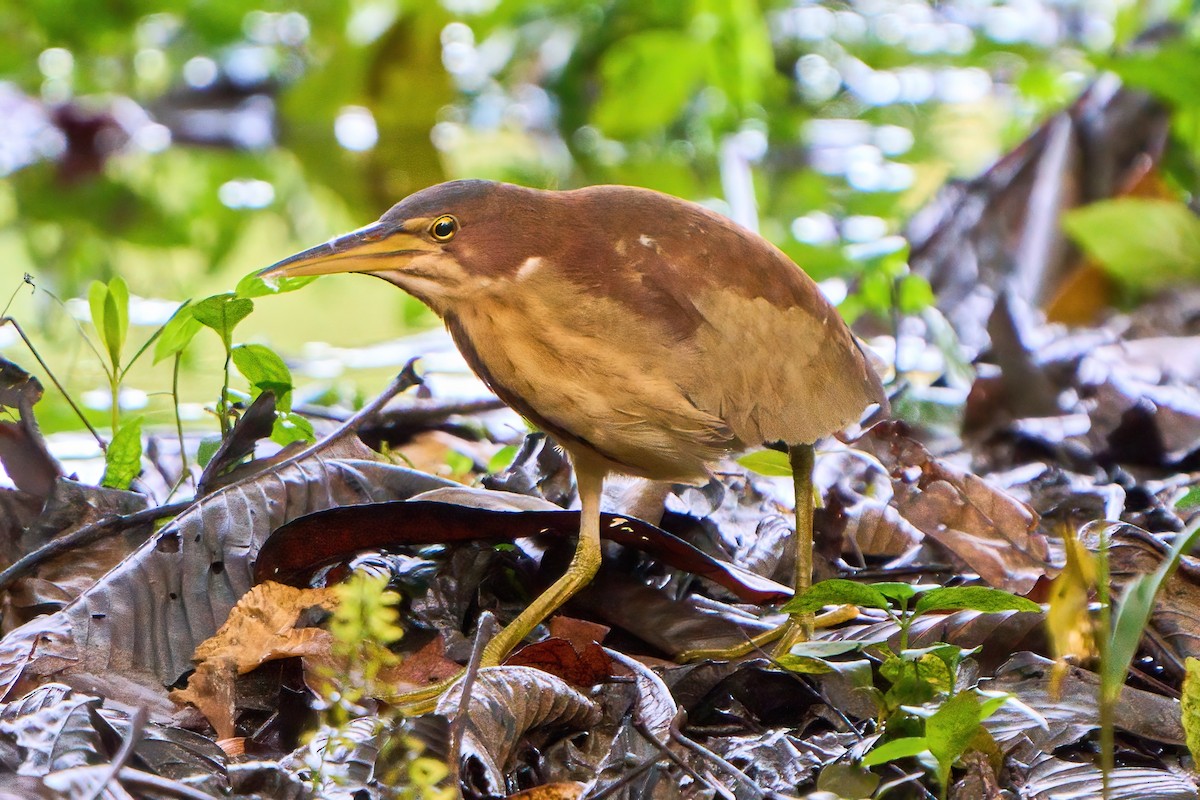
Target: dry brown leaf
579,632
420,669
260,628
504,704
1174,631
995,534
579,666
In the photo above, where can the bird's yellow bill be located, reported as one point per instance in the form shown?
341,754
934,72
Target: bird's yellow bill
375,247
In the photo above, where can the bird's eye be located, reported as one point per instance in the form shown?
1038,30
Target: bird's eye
444,228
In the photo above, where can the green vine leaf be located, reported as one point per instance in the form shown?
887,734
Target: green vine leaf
123,459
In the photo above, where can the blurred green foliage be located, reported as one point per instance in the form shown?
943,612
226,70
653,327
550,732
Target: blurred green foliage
182,145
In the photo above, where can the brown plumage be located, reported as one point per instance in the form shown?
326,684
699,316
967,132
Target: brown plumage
648,334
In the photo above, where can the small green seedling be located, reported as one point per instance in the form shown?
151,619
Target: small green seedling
923,713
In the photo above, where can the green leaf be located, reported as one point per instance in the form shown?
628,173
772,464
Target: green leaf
771,463
123,458
897,591
502,458
97,295
266,372
646,79
951,729
976,598
1144,242
804,665
812,657
207,449
1172,71
916,678
824,649
119,292
1190,499
254,286
849,781
1191,706
177,333
836,591
222,313
991,702
112,330
895,750
291,427
913,294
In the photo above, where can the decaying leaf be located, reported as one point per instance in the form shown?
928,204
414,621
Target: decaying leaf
260,628
1173,623
993,533
505,704
23,452
420,669
1051,778
1069,623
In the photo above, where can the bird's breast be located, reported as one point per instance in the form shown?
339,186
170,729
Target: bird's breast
601,379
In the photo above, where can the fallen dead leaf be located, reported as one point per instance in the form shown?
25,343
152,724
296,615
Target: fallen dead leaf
583,667
260,628
995,534
420,669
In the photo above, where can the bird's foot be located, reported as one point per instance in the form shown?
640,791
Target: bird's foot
797,629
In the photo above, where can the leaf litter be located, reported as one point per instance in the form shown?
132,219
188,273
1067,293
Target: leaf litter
1024,430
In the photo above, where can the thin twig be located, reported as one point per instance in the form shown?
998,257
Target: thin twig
677,734
50,374
421,411
28,279
159,785
629,776
137,724
185,471
94,532
484,632
674,758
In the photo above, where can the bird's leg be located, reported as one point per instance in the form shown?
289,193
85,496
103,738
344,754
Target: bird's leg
582,569
799,627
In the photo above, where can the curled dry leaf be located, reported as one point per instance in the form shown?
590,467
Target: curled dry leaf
506,703
260,628
995,534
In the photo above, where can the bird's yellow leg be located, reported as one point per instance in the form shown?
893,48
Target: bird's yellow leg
582,569
799,627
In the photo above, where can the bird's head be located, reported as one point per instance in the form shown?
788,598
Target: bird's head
439,244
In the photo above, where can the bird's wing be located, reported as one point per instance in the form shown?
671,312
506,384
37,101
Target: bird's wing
768,354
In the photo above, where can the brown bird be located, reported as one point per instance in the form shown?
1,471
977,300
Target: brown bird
648,335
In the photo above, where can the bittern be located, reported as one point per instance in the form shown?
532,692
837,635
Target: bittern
648,335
